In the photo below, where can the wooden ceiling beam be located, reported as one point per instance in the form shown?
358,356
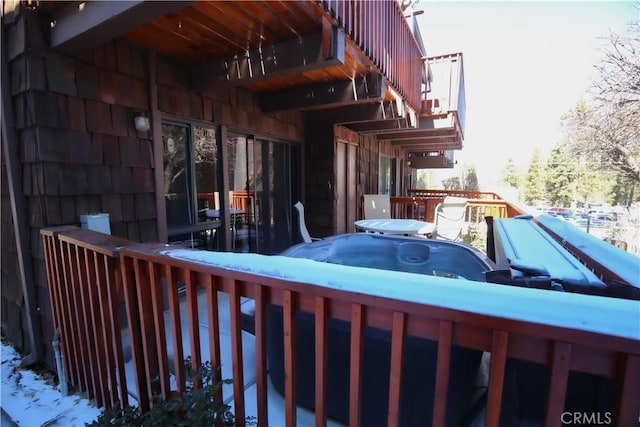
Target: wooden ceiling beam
289,57
337,93
428,145
413,133
371,111
80,26
378,125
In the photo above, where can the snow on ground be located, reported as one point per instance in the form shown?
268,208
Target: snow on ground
30,400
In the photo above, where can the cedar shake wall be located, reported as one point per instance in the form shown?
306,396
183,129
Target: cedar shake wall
319,160
368,164
233,107
80,152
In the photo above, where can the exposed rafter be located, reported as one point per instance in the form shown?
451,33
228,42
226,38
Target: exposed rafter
378,125
372,111
81,26
414,133
336,93
429,144
288,57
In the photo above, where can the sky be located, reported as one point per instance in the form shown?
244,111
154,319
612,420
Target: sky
525,65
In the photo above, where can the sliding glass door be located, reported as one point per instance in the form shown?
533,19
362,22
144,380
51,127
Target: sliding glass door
260,194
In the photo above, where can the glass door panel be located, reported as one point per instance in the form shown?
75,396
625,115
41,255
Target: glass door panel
176,174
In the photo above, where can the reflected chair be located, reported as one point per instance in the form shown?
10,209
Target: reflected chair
450,218
304,233
377,206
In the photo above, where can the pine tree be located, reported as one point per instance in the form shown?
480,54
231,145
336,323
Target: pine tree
534,180
560,181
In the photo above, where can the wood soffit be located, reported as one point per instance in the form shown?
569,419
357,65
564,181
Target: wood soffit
288,52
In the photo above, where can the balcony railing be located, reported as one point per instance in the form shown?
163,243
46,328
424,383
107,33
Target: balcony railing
380,29
89,272
447,91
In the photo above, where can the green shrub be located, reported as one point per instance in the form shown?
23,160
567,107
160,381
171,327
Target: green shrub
195,407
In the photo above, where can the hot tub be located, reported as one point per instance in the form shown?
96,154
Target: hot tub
398,253
415,255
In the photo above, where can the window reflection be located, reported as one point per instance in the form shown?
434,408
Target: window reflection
260,196
190,156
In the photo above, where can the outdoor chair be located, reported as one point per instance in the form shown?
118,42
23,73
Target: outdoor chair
304,233
450,218
377,206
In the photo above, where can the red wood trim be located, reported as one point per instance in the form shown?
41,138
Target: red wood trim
321,360
135,333
89,291
160,332
236,349
355,382
628,403
445,338
289,329
398,331
114,288
496,377
558,380
260,333
81,324
54,277
191,302
214,334
105,330
173,281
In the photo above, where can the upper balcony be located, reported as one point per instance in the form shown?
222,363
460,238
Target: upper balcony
440,127
294,54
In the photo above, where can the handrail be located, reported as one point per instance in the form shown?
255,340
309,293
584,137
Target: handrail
441,194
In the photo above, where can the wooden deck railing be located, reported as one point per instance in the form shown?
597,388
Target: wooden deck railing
422,206
83,272
380,29
562,332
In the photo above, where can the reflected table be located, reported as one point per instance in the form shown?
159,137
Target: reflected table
396,226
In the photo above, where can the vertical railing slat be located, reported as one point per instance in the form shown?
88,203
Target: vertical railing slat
290,377
94,323
213,323
395,372
496,377
113,282
157,304
106,331
355,380
558,380
81,329
193,323
174,277
445,339
129,285
260,332
321,361
627,402
148,331
236,349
